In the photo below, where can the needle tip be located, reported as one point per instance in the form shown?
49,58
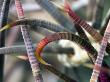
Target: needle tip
67,6
41,60
5,27
2,29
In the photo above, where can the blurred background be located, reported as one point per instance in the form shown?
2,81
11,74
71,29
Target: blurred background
76,65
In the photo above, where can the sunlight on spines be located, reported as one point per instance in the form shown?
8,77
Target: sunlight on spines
5,27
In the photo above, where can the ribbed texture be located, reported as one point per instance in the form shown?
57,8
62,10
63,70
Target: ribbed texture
35,23
76,19
98,63
21,49
29,46
69,36
53,10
